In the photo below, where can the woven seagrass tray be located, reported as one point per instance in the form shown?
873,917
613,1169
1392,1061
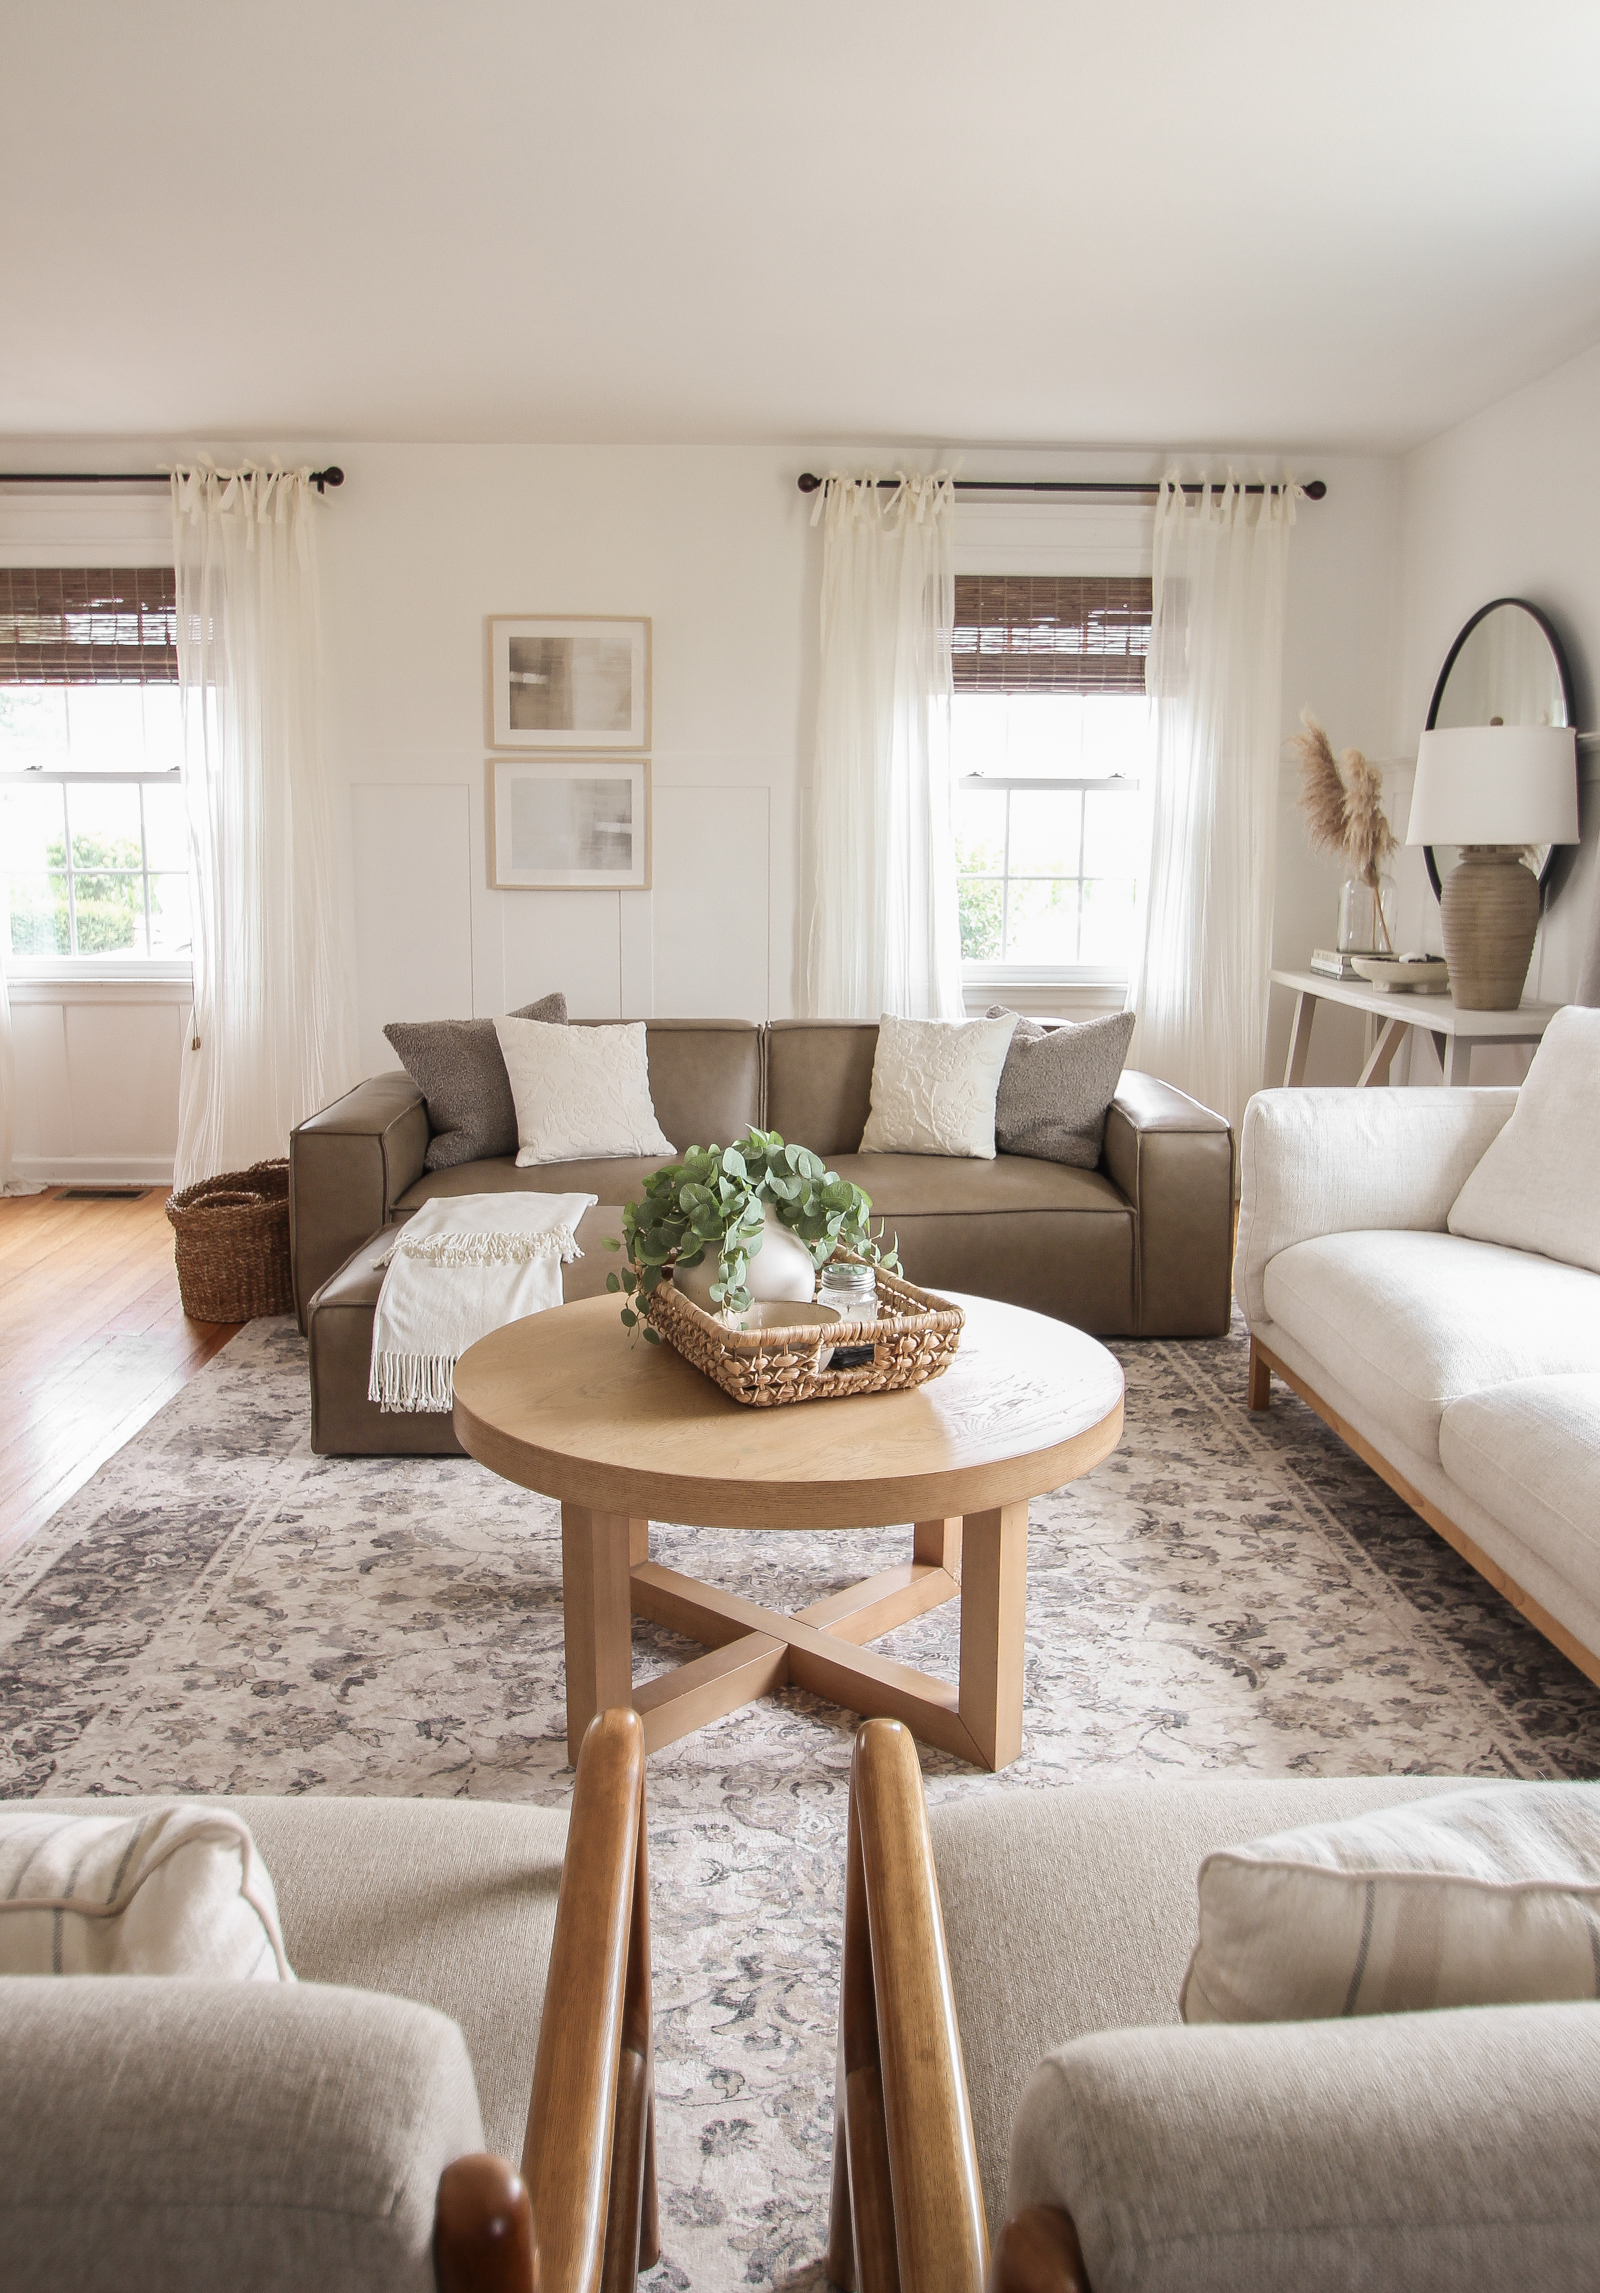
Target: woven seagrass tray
912,1342
231,1242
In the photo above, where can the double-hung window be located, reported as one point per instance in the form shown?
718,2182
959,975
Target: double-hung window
1050,743
93,833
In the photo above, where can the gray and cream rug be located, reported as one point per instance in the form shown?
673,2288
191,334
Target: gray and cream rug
218,1610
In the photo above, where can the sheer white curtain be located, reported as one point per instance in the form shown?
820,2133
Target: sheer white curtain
271,1040
1215,677
885,934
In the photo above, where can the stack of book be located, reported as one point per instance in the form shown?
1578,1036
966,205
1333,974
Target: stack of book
1337,963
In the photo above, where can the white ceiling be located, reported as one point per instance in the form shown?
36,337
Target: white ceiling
1258,222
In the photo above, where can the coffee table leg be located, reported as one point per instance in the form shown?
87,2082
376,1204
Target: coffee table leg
938,1544
994,1594
595,1551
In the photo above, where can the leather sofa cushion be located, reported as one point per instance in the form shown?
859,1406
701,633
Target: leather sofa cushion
360,1278
1075,1910
954,1186
901,1185
705,1080
819,1082
614,1180
1408,1323
1529,1454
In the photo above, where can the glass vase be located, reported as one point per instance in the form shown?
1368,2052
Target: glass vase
1366,917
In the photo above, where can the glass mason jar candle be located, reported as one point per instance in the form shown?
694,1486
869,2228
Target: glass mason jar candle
852,1291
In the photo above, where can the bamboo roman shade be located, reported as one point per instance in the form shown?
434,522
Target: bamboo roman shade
67,625
1050,633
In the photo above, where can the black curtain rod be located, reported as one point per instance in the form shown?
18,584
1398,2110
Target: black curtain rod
321,479
1314,488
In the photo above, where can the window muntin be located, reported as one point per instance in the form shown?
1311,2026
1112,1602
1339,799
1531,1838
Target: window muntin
1048,830
93,838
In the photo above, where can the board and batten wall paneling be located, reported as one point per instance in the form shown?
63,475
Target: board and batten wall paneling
561,940
97,1066
411,859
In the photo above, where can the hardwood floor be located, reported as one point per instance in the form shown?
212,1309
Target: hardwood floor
93,1340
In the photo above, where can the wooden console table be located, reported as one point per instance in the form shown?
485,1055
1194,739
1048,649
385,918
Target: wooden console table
1454,1032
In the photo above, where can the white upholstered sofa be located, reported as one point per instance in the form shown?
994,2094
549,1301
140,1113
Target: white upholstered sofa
1466,1372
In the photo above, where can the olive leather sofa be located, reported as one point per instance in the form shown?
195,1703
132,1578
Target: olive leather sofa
1140,1247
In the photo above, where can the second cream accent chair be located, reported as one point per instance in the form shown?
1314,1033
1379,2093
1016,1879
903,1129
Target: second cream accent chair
1407,2153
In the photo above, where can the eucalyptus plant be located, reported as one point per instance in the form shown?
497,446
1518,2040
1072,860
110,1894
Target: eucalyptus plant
717,1198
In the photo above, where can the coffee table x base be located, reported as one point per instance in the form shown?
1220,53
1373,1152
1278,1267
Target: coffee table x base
609,1578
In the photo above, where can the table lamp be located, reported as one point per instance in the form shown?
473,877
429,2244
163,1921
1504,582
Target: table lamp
1494,790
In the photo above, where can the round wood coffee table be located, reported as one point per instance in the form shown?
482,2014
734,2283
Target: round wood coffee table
624,1433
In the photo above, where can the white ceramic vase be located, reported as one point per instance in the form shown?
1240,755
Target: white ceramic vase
781,1268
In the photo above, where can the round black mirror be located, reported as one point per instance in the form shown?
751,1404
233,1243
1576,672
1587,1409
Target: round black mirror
1506,668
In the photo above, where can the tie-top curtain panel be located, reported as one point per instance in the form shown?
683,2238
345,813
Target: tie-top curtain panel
885,935
271,1040
1215,677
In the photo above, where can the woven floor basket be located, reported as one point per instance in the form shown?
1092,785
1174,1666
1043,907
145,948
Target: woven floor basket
232,1244
914,1338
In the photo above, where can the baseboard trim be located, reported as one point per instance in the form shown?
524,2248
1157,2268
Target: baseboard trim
95,1170
1521,1600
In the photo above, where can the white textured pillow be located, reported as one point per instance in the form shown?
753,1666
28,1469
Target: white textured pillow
178,1890
581,1093
933,1086
1534,1188
1476,1898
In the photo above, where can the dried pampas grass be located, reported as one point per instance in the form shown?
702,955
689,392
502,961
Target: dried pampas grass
1342,799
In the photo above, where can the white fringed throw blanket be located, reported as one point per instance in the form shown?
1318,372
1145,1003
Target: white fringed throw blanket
462,1266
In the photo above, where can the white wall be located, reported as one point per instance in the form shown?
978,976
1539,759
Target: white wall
420,547
1507,504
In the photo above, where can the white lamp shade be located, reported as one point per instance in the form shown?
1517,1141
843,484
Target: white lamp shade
1496,784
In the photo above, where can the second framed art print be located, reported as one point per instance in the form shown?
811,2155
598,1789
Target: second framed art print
569,824
578,682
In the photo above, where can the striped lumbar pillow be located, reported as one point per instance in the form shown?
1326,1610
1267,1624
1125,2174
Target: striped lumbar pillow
1485,1897
177,1889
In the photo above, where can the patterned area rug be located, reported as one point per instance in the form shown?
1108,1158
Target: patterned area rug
218,1610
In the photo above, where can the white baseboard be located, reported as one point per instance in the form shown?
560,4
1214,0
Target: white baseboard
95,1170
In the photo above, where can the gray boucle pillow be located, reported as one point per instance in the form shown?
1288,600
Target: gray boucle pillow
457,1066
1057,1086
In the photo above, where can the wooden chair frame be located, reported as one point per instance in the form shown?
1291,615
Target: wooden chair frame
580,2217
907,2205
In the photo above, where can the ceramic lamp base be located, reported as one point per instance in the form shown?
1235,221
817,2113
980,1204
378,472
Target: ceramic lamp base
1489,907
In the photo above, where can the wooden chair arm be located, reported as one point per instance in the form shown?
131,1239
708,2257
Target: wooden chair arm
916,2204
588,2154
483,2229
1038,2252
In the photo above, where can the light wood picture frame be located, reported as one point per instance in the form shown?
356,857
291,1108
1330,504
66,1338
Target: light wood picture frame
577,682
568,824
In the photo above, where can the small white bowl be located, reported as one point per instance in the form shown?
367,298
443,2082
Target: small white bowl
1400,975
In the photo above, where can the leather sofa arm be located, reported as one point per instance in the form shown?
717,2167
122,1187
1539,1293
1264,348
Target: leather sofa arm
347,1167
1173,1159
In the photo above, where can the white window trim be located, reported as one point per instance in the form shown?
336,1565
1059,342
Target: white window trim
1008,535
97,968
61,970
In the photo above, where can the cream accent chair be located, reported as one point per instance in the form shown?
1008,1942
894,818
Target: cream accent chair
1415,2153
1466,1373
351,2132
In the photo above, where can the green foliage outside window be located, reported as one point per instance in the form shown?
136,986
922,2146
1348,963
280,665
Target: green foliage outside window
110,906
